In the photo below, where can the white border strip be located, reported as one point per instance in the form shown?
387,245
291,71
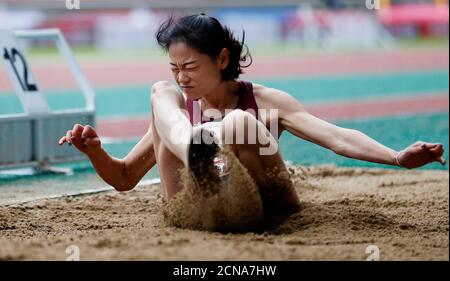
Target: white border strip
141,184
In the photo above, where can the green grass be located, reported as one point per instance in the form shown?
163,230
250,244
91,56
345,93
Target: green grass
93,54
263,50
423,42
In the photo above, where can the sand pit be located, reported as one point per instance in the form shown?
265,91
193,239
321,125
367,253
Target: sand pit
404,213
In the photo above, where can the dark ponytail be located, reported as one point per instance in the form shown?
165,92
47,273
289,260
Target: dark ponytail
207,36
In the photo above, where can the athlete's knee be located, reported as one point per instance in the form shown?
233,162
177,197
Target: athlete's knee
239,127
161,85
238,119
164,92
238,114
243,131
162,89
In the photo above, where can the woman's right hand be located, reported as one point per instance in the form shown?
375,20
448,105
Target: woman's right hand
84,138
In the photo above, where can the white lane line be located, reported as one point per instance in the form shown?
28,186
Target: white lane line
141,184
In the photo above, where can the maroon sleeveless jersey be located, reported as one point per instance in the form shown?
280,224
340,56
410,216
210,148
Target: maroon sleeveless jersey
246,102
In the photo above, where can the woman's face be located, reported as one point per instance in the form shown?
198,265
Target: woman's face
196,74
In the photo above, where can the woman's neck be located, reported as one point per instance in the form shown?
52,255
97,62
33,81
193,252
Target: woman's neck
224,96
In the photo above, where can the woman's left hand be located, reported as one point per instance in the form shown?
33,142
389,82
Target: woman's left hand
419,154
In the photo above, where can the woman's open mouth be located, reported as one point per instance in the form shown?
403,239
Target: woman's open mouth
186,88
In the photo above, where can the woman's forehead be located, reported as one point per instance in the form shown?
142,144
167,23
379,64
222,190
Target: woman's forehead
180,53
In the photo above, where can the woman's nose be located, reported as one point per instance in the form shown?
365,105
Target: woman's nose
183,78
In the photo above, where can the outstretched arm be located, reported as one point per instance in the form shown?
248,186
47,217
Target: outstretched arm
122,174
347,142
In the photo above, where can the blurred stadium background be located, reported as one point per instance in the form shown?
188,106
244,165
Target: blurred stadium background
109,24
381,68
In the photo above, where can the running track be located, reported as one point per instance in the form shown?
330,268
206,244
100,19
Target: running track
143,72
326,64
137,126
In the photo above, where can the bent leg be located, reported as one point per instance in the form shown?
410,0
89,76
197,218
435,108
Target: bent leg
169,167
268,170
170,119
167,105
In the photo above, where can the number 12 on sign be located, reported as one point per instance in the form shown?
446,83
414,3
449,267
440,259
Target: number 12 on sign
23,80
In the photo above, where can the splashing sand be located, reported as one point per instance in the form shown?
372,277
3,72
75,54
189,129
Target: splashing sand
233,204
343,210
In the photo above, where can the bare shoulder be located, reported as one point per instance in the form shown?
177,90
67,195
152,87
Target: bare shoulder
261,90
267,97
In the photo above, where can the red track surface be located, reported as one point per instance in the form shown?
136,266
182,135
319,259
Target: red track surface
137,126
144,72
